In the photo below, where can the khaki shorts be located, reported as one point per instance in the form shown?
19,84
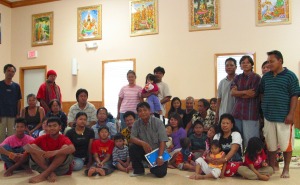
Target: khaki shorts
278,133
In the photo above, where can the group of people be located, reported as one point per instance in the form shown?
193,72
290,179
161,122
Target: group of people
210,140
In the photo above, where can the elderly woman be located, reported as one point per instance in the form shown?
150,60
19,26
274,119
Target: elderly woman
34,115
231,142
129,97
55,111
82,137
203,115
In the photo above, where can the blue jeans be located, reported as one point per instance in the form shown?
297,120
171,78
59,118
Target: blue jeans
248,129
78,163
8,162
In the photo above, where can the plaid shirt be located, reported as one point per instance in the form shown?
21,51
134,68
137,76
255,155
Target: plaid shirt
246,108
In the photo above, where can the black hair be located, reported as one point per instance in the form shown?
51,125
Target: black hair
231,118
198,122
172,109
167,125
249,59
54,100
21,120
213,100
215,143
8,66
141,105
159,69
205,103
185,142
31,95
80,114
276,53
79,91
265,63
102,108
119,136
45,119
128,113
178,118
254,146
131,72
151,77
54,119
103,127
230,59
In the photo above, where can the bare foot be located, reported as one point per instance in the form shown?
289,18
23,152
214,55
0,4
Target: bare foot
91,171
8,173
171,166
128,169
100,171
27,169
193,176
199,177
37,179
52,177
285,174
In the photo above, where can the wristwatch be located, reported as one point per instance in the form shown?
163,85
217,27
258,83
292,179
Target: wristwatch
160,157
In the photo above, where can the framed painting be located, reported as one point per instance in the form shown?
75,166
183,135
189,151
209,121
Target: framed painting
42,29
273,12
143,17
89,23
204,15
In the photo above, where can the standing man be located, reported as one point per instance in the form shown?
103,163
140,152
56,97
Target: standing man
164,93
10,102
245,88
49,91
280,90
148,133
225,101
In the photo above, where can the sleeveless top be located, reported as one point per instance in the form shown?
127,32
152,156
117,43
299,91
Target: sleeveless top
217,156
32,121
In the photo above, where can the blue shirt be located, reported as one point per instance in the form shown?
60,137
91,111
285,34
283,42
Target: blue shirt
9,97
111,126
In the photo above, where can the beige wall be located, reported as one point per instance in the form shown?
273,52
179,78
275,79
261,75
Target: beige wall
5,47
188,57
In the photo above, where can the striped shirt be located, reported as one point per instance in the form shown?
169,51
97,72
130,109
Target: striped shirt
131,97
278,91
120,153
246,108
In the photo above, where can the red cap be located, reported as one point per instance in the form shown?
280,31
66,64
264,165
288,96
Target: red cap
51,72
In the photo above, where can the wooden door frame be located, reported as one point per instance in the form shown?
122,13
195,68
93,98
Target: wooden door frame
21,77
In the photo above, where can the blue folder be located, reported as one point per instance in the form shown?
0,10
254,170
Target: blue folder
152,156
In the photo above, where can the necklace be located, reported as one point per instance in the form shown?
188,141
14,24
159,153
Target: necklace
80,132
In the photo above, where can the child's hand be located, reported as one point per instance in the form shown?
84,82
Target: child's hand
264,164
222,176
99,164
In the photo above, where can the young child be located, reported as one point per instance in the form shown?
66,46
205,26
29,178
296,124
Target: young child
255,166
183,159
175,107
11,149
44,127
102,150
153,100
121,154
169,143
209,137
198,138
210,170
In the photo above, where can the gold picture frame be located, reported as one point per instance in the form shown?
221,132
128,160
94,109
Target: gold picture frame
273,12
89,23
204,15
143,17
42,29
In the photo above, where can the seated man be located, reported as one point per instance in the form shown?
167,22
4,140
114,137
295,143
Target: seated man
51,154
148,133
11,149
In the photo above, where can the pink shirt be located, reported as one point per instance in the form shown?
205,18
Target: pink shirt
131,97
13,141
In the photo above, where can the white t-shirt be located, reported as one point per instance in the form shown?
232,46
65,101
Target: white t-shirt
164,91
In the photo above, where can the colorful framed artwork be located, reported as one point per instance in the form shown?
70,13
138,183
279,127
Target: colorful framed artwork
42,29
89,23
204,15
273,12
143,17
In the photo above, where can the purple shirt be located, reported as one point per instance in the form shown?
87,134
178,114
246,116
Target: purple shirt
176,136
246,108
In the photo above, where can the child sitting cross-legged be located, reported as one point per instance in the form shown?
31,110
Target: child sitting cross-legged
102,150
210,170
255,166
120,154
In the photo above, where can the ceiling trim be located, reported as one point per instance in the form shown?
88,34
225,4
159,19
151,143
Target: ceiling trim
24,3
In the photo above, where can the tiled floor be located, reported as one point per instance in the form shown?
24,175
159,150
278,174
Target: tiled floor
174,177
